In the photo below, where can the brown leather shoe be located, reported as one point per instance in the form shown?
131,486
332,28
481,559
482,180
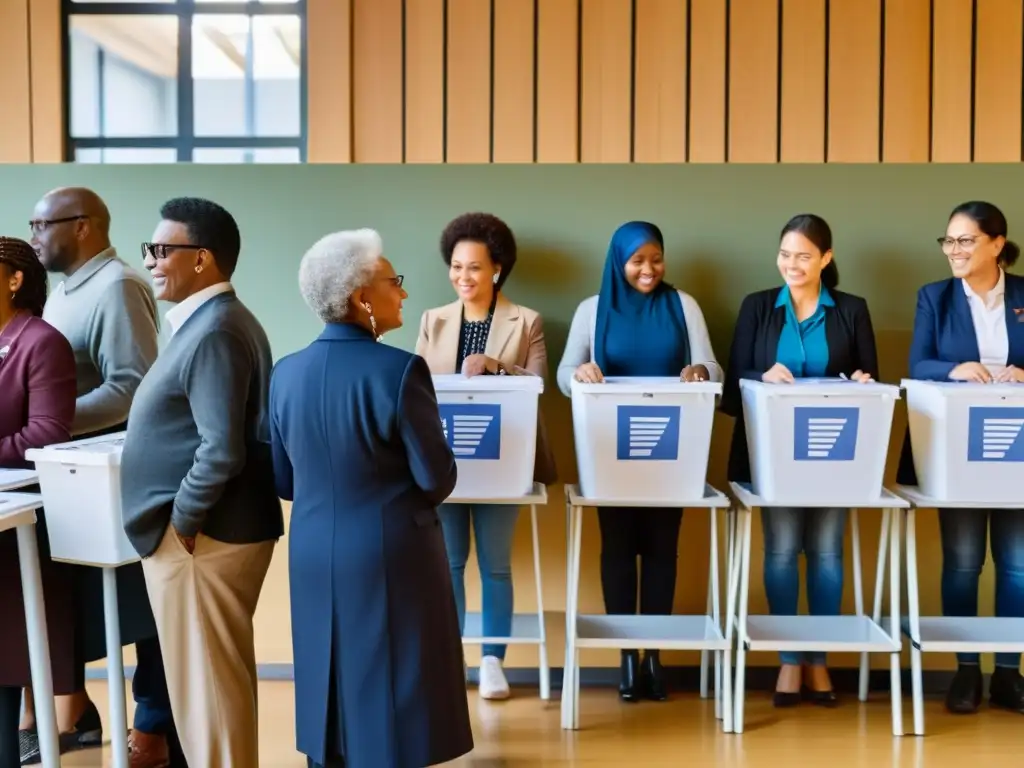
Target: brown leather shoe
147,750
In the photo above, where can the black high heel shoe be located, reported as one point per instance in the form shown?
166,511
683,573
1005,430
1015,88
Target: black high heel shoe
652,676
629,681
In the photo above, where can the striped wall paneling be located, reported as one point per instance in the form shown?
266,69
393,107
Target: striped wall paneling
649,81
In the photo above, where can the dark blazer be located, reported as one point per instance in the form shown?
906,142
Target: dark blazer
37,408
358,447
851,347
944,337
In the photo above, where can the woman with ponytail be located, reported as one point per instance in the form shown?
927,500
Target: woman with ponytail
970,327
805,328
37,379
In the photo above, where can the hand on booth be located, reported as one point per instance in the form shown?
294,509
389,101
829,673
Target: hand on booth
695,373
479,365
777,374
1011,374
971,372
589,373
860,376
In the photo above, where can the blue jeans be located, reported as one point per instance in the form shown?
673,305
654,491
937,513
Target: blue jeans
149,689
818,533
494,527
964,534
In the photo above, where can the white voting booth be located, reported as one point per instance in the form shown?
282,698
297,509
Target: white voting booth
968,440
490,423
643,442
643,439
818,439
968,443
80,484
819,443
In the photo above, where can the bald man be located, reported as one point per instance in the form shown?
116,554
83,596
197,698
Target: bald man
108,312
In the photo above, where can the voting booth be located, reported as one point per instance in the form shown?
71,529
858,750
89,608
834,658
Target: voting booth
968,440
818,439
643,439
81,487
490,422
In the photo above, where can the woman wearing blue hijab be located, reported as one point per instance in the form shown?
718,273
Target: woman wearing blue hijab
638,325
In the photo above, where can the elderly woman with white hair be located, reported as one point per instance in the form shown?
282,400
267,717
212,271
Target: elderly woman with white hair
359,451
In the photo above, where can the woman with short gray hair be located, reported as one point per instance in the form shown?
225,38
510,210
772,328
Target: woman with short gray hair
359,451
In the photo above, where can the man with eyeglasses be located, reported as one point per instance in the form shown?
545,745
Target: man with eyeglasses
108,312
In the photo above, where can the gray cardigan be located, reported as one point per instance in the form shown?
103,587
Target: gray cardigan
579,347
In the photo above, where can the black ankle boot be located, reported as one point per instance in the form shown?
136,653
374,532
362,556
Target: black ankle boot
1006,689
652,675
629,681
964,694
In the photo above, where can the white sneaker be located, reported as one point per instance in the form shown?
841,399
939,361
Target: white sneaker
493,684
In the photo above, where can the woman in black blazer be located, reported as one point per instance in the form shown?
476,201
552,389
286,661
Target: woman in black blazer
805,328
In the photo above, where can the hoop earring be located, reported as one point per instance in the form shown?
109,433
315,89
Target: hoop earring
373,321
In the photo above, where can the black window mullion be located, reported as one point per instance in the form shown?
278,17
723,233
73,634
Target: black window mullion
186,101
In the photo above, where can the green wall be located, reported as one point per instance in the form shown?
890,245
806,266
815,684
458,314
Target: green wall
721,226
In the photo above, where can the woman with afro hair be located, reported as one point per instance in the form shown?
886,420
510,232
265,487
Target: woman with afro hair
484,333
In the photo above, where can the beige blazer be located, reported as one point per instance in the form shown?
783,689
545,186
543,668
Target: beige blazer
516,339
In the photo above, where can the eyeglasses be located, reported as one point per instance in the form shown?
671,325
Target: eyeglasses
38,225
967,243
160,251
397,280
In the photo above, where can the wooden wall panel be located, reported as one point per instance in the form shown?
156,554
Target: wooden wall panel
47,80
513,81
424,81
997,81
468,107
802,82
558,81
659,95
708,26
377,81
606,82
15,90
952,34
753,81
855,50
429,81
906,104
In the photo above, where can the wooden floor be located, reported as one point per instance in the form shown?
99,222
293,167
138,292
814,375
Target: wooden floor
524,731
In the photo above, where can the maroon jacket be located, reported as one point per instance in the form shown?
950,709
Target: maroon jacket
37,378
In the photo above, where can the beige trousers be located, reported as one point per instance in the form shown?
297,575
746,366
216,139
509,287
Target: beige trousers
203,605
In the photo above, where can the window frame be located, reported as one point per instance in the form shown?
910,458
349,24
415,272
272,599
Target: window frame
185,141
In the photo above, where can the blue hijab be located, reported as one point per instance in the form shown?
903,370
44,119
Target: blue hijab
638,334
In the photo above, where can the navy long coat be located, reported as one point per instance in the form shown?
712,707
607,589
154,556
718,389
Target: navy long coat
359,449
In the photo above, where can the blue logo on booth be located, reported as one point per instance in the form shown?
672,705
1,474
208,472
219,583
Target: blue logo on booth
825,434
473,430
648,432
994,434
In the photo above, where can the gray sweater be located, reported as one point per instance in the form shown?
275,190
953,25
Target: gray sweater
579,347
107,311
197,451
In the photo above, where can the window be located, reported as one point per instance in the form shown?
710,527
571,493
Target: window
205,81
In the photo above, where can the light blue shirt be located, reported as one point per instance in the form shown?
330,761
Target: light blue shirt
803,346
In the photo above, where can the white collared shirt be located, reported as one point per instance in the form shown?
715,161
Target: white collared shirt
179,313
989,315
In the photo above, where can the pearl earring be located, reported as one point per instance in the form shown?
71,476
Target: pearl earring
373,320
495,279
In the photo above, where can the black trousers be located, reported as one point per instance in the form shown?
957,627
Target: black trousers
650,534
10,715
